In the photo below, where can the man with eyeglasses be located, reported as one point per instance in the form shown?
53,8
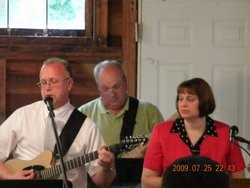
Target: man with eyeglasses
119,115
28,131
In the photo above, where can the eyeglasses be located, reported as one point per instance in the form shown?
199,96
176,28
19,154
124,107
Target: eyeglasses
116,88
52,82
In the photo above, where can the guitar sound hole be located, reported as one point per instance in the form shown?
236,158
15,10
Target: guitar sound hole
34,167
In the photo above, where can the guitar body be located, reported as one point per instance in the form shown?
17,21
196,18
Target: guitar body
44,160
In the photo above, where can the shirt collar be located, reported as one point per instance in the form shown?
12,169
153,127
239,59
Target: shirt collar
103,110
61,112
210,126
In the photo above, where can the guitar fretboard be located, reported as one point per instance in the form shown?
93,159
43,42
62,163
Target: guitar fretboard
56,170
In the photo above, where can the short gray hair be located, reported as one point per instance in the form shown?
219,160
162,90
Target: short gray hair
107,63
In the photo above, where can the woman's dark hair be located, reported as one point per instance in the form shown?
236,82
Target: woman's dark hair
201,88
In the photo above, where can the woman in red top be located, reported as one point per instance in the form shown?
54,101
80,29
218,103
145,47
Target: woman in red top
194,133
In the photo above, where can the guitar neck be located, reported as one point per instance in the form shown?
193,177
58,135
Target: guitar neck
55,171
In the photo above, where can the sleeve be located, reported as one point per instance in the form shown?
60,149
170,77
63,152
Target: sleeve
150,114
156,115
154,155
94,142
8,137
235,160
83,110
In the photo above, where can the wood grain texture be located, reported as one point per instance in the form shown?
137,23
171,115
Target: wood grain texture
22,56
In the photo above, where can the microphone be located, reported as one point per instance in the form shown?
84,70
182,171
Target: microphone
233,131
49,103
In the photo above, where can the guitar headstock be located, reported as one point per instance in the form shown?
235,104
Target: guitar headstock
128,143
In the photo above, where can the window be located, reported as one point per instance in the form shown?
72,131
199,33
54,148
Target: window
45,17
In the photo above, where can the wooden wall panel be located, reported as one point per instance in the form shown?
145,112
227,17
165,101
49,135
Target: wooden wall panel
115,18
129,18
21,58
101,22
2,89
22,76
115,23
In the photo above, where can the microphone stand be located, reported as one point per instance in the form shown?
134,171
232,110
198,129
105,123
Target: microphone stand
240,139
59,147
233,131
243,140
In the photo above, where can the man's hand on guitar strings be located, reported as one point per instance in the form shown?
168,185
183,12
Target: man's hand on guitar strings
106,158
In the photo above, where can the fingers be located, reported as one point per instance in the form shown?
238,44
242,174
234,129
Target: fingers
106,158
29,174
24,174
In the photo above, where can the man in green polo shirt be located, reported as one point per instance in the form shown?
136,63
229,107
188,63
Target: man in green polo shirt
119,115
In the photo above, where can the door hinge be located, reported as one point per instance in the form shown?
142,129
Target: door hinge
138,31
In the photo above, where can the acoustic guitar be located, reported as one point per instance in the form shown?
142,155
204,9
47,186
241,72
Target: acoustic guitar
45,165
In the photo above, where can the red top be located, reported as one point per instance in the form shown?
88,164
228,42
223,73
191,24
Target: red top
169,142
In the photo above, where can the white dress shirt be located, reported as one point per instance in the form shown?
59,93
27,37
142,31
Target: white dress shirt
23,134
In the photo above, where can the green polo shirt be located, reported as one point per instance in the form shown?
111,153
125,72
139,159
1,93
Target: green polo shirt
110,125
